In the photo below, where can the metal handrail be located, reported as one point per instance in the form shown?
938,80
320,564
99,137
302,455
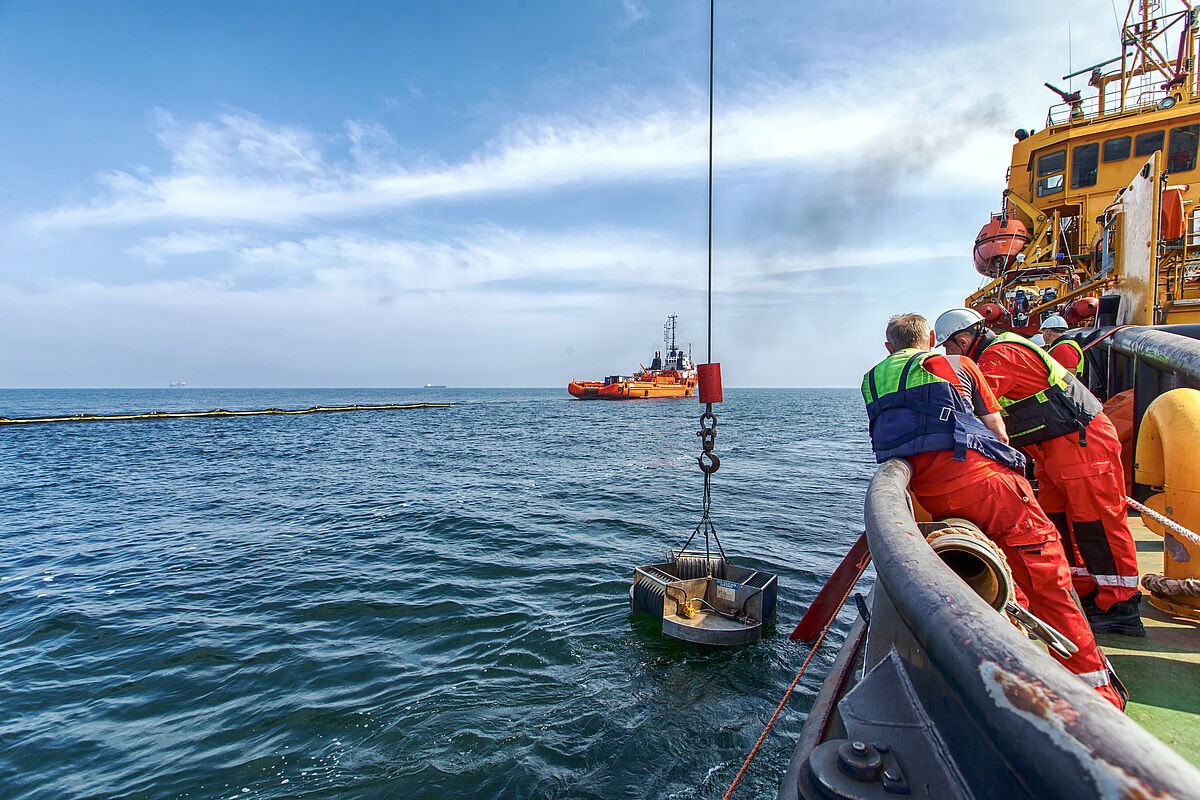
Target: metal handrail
1168,349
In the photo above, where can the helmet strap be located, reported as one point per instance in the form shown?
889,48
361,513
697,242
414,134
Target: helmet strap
976,343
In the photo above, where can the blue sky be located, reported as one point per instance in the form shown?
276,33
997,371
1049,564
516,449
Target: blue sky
497,193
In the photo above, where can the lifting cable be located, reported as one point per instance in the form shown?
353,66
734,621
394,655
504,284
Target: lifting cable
710,373
1100,339
1166,522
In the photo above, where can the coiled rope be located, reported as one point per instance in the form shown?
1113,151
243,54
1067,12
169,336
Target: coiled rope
1171,587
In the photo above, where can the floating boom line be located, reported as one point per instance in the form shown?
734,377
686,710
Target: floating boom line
217,412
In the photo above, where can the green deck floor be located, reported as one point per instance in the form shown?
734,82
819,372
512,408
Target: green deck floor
1161,671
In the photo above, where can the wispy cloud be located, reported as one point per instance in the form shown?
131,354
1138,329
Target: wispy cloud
156,249
492,259
242,169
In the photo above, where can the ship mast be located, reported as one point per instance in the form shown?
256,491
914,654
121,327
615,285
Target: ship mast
1145,54
669,333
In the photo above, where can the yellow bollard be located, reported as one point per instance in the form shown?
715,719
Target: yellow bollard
1167,448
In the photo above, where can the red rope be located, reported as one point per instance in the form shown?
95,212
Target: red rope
783,702
1095,342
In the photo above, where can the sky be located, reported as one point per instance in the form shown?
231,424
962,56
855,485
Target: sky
499,193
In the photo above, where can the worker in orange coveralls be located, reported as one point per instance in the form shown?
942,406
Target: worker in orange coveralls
920,408
1077,455
1065,351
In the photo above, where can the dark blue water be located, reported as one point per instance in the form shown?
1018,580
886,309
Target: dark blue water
410,604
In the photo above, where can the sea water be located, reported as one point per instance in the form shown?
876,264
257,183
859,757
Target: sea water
402,604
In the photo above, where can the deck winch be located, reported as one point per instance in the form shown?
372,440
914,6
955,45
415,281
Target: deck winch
700,596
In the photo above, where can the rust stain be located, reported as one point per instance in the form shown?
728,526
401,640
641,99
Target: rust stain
1035,698
1140,792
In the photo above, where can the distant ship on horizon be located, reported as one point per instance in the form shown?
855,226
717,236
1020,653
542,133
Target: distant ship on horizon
179,384
435,386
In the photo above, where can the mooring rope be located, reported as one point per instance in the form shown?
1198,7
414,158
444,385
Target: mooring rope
1166,522
788,693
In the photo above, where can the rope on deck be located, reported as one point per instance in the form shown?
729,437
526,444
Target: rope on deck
1166,522
217,412
1160,585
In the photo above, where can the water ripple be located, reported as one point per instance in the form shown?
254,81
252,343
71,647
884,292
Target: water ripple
410,604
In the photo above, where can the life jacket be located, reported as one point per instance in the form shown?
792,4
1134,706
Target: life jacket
912,411
1064,406
1073,345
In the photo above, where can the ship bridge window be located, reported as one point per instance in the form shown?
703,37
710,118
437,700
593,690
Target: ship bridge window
1147,143
1051,163
1117,149
1047,166
1181,156
1084,160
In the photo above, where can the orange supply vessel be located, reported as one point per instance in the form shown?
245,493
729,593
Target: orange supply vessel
674,376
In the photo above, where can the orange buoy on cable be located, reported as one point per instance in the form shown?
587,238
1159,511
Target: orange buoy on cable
992,313
1081,309
709,377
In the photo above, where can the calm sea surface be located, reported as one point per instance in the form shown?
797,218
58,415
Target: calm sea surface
408,604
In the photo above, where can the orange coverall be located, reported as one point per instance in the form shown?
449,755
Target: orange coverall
1002,503
1081,488
1063,353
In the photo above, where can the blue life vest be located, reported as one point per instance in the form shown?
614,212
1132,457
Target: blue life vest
913,411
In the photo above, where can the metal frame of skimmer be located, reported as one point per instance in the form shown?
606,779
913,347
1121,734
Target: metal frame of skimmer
705,599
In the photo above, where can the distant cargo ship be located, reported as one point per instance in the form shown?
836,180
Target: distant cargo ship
674,376
435,386
179,384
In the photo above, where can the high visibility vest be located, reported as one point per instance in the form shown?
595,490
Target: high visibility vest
911,411
1073,345
1064,406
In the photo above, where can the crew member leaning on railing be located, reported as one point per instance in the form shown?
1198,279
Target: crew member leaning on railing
1077,454
920,409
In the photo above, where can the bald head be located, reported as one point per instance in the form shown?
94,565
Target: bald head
905,331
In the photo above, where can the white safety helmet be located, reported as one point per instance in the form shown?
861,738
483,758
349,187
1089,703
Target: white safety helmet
953,321
1054,323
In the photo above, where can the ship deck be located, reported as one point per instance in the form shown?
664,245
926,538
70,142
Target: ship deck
1161,671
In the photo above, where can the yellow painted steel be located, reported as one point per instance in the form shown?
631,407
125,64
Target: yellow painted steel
218,412
1168,441
1075,203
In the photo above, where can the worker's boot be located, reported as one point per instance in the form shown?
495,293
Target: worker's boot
1123,618
1088,603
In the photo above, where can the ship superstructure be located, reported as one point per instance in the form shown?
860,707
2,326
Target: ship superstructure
1077,234
669,375
935,695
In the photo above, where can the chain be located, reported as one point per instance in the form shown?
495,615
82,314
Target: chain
709,463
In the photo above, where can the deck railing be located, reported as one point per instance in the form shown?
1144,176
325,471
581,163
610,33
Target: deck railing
1009,715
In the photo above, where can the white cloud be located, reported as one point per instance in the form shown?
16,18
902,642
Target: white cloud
242,169
155,249
542,263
